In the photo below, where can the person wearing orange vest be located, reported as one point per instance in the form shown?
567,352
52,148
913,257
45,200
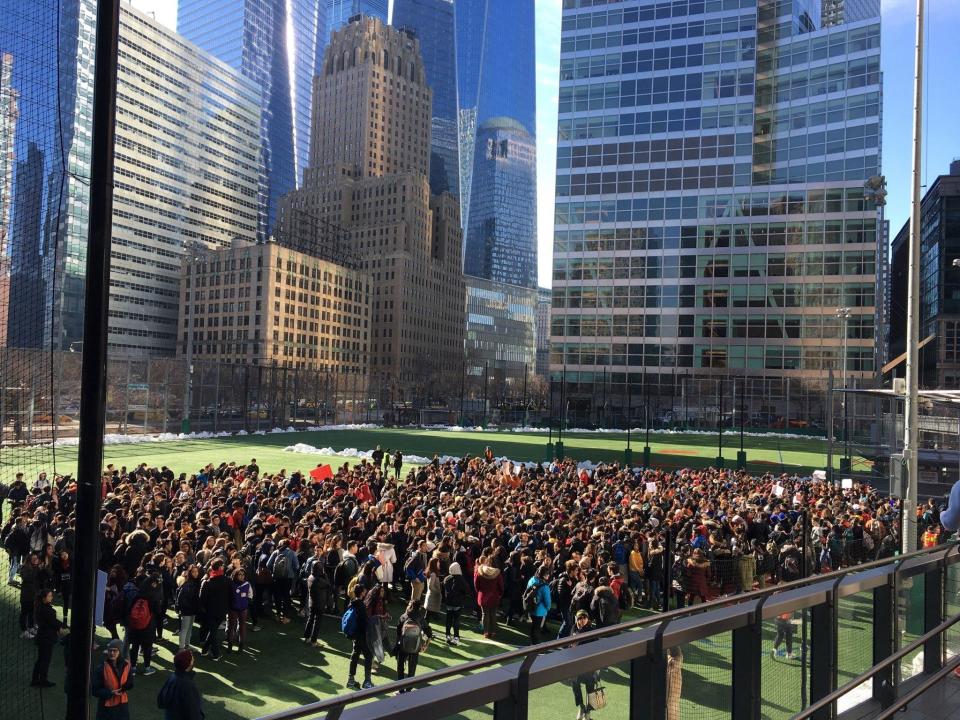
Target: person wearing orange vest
931,537
110,684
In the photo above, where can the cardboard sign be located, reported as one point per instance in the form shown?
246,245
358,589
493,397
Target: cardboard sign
323,472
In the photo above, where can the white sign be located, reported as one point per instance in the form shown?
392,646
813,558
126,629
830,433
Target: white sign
847,484
778,490
819,474
651,487
101,596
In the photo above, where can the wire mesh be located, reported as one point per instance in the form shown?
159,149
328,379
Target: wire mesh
700,678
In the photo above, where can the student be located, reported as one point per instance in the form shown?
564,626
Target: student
110,683
48,630
358,633
241,595
587,681
455,591
785,630
413,634
187,603
538,614
215,594
179,698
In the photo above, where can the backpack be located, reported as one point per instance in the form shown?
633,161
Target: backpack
791,568
410,566
280,566
140,614
166,695
411,637
581,599
531,597
349,622
345,571
868,541
626,598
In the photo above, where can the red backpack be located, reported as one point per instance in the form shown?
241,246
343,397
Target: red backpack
140,615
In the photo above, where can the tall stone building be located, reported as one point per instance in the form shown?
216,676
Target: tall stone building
369,176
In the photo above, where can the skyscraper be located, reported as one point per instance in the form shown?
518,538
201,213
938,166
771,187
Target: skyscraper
496,74
339,12
278,44
433,23
368,175
710,209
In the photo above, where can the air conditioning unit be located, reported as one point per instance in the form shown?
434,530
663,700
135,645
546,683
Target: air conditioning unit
899,386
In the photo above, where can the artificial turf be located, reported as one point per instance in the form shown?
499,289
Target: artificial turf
764,454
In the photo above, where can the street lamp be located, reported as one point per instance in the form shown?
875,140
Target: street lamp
843,314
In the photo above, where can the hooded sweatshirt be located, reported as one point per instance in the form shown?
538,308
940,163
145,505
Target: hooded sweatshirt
387,556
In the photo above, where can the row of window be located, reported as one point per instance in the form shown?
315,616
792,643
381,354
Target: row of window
637,325
663,11
657,59
766,295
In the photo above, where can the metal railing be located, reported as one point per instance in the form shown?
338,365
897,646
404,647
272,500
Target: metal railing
506,681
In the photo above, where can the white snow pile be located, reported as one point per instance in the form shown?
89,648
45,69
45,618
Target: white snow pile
710,433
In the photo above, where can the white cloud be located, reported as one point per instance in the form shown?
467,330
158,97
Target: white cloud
548,18
164,11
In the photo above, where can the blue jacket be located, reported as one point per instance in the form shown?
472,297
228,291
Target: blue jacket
293,565
543,596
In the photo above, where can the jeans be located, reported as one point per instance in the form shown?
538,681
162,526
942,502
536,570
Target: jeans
566,627
408,661
14,568
360,648
26,615
141,639
312,629
784,635
489,620
281,596
186,631
44,655
635,581
453,621
211,635
536,625
257,606
237,627
590,681
654,599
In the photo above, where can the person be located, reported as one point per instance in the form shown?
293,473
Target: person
240,597
63,579
433,600
584,681
412,628
187,603
17,544
538,614
488,582
48,630
397,464
284,568
674,682
215,594
455,591
784,626
142,618
111,682
30,581
179,698
360,645
318,592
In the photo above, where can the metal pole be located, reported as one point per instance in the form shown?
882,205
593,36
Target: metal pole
719,421
743,408
463,381
486,388
93,374
525,393
910,433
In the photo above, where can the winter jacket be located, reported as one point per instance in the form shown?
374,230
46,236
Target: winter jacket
242,594
455,591
604,608
185,702
188,598
215,595
387,556
48,626
543,597
434,588
488,582
293,565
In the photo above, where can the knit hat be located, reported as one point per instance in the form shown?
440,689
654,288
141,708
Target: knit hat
582,614
455,569
115,645
183,660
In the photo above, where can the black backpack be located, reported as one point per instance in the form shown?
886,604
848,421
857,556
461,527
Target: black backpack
345,571
531,597
581,599
166,695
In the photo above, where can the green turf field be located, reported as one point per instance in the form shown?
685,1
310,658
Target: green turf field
668,450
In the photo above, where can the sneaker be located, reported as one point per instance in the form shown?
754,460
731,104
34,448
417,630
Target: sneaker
789,656
147,670
448,639
454,641
26,635
352,684
367,685
581,714
256,628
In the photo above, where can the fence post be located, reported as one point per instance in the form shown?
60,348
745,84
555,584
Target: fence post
747,648
884,617
216,399
933,615
648,682
246,398
823,649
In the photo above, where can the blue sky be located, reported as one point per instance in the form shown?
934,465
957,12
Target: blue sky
941,103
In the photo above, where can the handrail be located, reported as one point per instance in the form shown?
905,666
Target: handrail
339,701
883,665
920,689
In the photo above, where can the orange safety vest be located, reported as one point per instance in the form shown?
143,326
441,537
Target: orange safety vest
930,539
112,682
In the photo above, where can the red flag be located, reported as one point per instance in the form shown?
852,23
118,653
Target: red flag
321,473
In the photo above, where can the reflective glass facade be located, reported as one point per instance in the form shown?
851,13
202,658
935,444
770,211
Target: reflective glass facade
496,68
279,45
500,333
339,12
501,231
432,21
710,213
44,95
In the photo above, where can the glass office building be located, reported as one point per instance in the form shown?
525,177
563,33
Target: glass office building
710,211
496,68
339,12
279,45
432,21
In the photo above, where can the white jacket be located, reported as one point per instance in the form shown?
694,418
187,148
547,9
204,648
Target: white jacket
387,557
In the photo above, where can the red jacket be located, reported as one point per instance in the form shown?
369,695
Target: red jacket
489,587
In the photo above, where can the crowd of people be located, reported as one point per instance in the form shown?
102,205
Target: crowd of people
463,547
